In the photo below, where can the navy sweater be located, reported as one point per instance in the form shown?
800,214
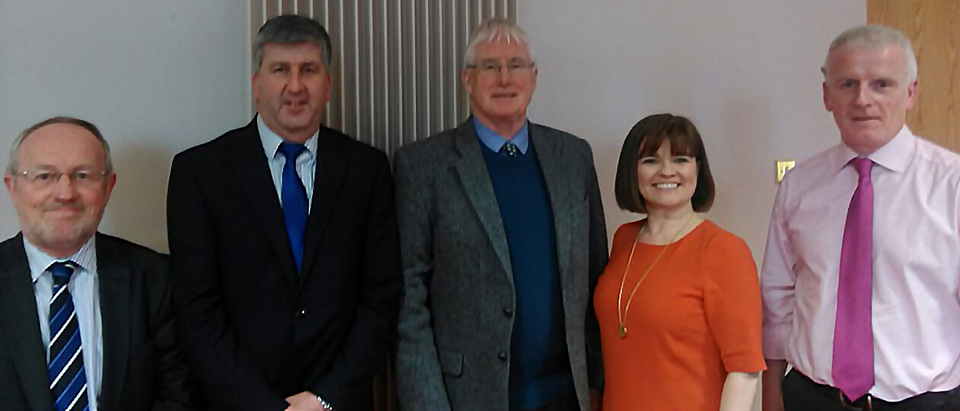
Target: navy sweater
539,364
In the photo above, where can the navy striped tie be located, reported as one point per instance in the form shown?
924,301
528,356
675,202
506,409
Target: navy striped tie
68,381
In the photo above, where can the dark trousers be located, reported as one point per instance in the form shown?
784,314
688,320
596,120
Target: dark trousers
565,403
800,393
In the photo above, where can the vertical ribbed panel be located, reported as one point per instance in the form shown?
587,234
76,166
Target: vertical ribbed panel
396,65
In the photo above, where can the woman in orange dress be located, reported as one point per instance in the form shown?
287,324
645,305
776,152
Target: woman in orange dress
679,302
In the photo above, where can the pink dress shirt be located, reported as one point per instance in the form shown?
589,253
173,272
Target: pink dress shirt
916,265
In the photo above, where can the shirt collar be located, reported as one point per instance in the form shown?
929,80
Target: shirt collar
495,142
39,261
271,141
893,156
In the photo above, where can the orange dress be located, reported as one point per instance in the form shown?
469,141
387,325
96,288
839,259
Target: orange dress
694,319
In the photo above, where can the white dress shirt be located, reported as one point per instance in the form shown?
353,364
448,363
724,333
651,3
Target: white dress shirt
916,265
84,287
306,167
306,162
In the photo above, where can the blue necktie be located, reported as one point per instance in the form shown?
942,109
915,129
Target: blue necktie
68,381
293,198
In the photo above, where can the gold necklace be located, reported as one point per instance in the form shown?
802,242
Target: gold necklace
622,315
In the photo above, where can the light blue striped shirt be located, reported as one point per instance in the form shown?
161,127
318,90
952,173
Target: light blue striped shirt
84,287
306,162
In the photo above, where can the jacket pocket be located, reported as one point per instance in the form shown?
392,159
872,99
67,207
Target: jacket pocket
451,363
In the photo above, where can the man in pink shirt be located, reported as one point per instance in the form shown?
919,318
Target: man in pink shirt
861,274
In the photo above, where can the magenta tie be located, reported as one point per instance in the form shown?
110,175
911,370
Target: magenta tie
853,335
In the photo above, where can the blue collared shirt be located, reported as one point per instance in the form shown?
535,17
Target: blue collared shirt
495,142
306,162
85,290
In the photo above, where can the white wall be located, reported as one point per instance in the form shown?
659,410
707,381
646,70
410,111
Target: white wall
745,71
156,76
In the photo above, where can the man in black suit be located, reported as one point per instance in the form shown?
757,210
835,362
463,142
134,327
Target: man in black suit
86,319
284,244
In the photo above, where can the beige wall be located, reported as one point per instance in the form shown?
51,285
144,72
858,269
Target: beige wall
159,77
745,71
156,76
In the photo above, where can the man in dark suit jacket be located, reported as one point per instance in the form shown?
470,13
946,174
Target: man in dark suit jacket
106,340
284,304
503,240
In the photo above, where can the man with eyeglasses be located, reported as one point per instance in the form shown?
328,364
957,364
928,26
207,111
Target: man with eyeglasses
503,239
86,320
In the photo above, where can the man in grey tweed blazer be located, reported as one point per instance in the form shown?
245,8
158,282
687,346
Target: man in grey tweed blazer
503,239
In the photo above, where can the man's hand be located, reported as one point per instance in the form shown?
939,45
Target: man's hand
771,397
596,400
304,401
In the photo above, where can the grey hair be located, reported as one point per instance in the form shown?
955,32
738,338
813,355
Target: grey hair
875,36
13,164
292,29
494,29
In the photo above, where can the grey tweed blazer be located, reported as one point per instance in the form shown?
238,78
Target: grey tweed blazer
456,318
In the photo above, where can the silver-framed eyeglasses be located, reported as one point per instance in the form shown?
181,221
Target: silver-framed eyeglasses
44,178
493,68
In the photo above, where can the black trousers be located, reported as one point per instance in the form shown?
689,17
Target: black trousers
803,394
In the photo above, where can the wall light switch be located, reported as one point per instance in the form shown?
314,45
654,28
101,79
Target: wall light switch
782,168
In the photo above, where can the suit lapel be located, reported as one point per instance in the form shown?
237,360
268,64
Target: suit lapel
115,314
552,164
476,182
253,171
20,324
328,178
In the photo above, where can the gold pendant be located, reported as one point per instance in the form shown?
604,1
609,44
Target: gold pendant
622,330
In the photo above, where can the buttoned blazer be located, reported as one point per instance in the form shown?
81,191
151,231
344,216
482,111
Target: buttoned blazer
142,369
456,319
254,329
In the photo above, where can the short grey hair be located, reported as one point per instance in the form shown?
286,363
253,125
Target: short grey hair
13,164
494,29
292,29
875,36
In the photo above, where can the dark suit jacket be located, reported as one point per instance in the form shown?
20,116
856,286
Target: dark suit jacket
253,329
142,369
457,318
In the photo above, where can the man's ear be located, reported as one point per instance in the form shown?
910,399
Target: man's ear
465,79
826,97
254,81
912,94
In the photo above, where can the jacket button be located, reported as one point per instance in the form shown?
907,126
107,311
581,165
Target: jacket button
507,312
301,313
502,356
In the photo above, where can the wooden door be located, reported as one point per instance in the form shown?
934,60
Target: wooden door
933,27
